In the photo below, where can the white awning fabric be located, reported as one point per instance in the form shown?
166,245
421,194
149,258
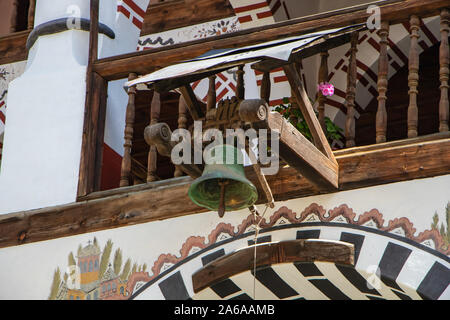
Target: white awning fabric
222,59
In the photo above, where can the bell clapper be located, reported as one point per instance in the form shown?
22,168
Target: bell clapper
221,210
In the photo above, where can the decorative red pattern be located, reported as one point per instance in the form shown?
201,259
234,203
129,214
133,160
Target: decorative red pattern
343,210
250,7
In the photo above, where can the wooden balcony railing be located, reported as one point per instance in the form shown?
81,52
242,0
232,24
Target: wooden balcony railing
139,63
409,11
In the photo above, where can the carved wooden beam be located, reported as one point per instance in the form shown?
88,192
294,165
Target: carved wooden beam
307,110
192,103
294,148
272,253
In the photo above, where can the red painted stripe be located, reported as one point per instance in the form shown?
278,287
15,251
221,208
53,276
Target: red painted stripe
135,8
123,10
336,104
362,79
279,79
195,84
276,102
374,44
2,117
2,103
373,91
428,33
245,19
137,23
263,15
369,71
221,76
111,165
339,64
364,37
232,86
398,52
286,10
330,76
218,84
276,6
250,7
423,44
395,65
258,82
221,94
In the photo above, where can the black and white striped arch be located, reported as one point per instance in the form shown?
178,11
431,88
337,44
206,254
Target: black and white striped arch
387,266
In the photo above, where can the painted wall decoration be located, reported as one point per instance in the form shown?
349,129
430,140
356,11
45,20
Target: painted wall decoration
95,274
96,281
8,72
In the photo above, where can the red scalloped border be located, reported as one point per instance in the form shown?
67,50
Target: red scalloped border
314,208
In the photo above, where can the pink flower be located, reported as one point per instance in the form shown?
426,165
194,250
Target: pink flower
326,88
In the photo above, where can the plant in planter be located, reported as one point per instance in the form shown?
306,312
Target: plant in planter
333,131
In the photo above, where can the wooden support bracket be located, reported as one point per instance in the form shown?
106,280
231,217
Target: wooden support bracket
294,148
193,104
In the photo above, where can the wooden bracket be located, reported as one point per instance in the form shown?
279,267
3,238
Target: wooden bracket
294,148
193,104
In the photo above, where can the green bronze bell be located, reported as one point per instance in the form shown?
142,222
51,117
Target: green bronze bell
223,185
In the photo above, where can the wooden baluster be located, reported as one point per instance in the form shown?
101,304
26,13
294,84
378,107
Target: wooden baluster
240,88
155,110
381,116
31,12
125,173
323,77
444,71
351,93
14,12
265,87
211,102
182,124
413,76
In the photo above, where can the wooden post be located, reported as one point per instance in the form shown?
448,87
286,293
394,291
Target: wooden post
153,154
13,21
413,76
444,71
182,124
381,116
94,115
211,102
125,173
351,93
265,87
323,77
31,12
240,88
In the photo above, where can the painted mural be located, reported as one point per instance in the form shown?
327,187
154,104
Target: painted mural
94,274
103,275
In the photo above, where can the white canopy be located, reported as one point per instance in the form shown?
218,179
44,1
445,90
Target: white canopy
222,59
